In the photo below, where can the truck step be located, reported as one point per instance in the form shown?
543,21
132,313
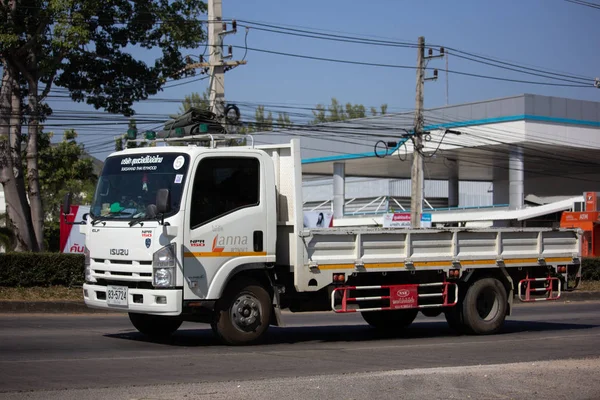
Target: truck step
345,299
539,289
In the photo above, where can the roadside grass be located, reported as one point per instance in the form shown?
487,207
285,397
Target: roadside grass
41,293
590,286
64,293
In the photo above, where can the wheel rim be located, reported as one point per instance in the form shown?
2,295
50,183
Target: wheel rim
245,313
488,304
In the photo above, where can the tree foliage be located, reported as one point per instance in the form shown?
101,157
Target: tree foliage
84,47
195,100
120,141
64,167
337,112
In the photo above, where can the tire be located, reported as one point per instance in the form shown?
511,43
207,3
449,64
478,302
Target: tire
393,319
243,314
155,326
484,307
454,317
431,312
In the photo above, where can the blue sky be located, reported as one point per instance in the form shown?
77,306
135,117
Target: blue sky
551,34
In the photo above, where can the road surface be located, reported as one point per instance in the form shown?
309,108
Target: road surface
544,350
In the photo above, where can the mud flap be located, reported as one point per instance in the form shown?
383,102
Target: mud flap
276,318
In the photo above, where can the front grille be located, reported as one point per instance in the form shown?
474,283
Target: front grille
130,285
116,262
120,262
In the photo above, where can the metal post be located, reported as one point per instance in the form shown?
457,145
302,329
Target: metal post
515,178
339,189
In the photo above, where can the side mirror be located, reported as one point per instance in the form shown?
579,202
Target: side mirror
67,204
163,201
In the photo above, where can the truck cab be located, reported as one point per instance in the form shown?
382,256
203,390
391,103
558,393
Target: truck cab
154,260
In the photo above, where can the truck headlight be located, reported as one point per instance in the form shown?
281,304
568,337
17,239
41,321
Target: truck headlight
163,267
87,270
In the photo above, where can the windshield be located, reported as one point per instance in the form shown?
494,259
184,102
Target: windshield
129,183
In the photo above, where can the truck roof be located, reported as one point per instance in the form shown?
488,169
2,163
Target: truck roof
192,150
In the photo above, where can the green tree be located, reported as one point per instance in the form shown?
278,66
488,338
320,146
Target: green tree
338,112
64,167
262,122
283,121
84,47
119,142
196,100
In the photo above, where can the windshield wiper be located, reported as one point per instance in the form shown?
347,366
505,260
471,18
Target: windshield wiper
97,220
135,221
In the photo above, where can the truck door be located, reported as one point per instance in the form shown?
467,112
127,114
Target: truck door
225,224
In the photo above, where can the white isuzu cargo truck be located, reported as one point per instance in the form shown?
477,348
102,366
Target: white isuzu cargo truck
215,235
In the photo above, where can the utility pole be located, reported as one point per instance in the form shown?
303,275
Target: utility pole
416,173
217,70
218,62
416,198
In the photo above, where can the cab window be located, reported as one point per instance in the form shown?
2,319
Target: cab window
223,185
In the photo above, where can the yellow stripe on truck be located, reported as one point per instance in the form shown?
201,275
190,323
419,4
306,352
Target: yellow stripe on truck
443,263
225,254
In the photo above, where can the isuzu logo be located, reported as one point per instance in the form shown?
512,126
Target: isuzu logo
403,292
119,252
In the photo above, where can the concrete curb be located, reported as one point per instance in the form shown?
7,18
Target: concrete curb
79,307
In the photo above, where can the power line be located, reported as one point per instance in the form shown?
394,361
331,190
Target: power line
579,81
584,3
394,43
339,61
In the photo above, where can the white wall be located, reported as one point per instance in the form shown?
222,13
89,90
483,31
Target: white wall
562,135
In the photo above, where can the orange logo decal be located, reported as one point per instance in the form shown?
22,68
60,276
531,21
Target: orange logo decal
214,246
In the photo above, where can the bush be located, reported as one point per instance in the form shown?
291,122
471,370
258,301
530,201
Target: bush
590,269
41,269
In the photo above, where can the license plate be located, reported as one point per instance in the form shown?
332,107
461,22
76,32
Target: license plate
116,295
404,296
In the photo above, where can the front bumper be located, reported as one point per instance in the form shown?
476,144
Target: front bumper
139,300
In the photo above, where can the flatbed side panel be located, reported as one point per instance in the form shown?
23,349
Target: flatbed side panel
366,249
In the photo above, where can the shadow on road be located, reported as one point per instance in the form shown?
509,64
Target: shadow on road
347,333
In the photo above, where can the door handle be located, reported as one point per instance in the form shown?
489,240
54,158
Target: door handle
258,241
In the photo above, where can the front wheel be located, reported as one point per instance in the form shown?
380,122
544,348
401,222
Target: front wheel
155,326
243,313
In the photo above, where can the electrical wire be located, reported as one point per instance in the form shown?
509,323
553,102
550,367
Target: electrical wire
397,66
585,3
395,43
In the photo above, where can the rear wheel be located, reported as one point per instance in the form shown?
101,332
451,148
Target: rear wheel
155,326
484,306
394,319
454,318
431,312
243,313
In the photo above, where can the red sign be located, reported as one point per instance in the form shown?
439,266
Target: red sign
591,201
404,296
401,217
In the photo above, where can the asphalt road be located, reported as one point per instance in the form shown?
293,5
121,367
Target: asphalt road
545,349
